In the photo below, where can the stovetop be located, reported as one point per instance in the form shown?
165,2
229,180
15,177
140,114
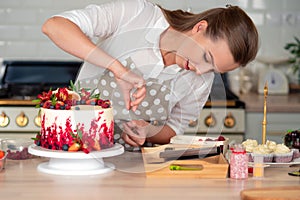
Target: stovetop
16,102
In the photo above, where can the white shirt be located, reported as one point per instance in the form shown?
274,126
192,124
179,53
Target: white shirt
133,28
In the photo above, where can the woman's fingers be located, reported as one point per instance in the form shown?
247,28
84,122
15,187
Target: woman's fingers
133,88
128,140
127,99
138,97
132,135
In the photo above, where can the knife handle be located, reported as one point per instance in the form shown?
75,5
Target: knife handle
186,167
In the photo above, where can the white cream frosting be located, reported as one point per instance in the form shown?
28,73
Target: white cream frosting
249,145
271,145
82,116
252,146
281,149
262,149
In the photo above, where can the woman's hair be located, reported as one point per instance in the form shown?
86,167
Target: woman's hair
231,24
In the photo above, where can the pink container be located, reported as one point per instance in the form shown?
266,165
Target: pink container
238,163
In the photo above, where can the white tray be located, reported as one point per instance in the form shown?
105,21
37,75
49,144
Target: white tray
196,140
199,141
273,164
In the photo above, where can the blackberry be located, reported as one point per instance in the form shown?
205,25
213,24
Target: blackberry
38,143
77,108
65,147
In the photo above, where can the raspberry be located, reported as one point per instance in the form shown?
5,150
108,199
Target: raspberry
221,138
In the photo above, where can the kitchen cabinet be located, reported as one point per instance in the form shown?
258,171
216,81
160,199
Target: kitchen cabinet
283,113
277,125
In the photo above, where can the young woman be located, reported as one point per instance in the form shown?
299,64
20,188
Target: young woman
156,66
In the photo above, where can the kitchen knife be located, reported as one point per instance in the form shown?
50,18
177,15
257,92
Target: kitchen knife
192,153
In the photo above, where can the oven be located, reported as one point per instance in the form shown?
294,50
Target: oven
20,83
223,114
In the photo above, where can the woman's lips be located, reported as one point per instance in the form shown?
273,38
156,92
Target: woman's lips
187,65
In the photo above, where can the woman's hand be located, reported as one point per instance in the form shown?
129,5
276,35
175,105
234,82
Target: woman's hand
135,132
63,33
133,89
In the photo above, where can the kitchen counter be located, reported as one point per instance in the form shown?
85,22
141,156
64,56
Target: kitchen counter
22,180
275,103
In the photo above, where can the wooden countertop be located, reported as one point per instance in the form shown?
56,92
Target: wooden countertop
275,103
22,180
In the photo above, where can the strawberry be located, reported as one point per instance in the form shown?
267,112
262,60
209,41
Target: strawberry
86,148
105,104
61,103
47,104
99,102
2,154
74,147
45,96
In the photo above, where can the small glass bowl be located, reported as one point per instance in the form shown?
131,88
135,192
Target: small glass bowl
17,149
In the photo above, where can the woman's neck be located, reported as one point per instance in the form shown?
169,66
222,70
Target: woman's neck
169,57
170,40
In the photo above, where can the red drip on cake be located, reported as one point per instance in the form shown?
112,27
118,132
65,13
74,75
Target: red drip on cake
55,137
92,130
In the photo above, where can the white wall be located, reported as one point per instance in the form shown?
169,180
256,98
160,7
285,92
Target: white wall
21,38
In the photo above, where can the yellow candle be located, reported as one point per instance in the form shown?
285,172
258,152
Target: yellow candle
264,122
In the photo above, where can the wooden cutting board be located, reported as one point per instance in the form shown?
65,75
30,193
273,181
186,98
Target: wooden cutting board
271,193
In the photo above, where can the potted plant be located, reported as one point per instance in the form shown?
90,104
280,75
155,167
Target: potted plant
294,60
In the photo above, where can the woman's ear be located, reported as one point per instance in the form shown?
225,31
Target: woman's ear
200,26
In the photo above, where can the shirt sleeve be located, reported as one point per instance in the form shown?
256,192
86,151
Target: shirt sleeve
103,20
191,100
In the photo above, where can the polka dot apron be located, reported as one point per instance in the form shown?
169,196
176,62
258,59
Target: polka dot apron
154,108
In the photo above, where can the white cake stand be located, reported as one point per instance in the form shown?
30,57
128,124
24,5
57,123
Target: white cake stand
76,163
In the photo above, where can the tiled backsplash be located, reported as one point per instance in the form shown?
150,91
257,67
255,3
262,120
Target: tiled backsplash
278,21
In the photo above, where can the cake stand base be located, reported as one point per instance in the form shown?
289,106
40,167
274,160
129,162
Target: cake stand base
76,163
48,168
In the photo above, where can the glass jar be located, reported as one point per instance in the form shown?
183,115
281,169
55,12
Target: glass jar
238,162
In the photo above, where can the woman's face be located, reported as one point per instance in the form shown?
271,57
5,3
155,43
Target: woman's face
200,54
